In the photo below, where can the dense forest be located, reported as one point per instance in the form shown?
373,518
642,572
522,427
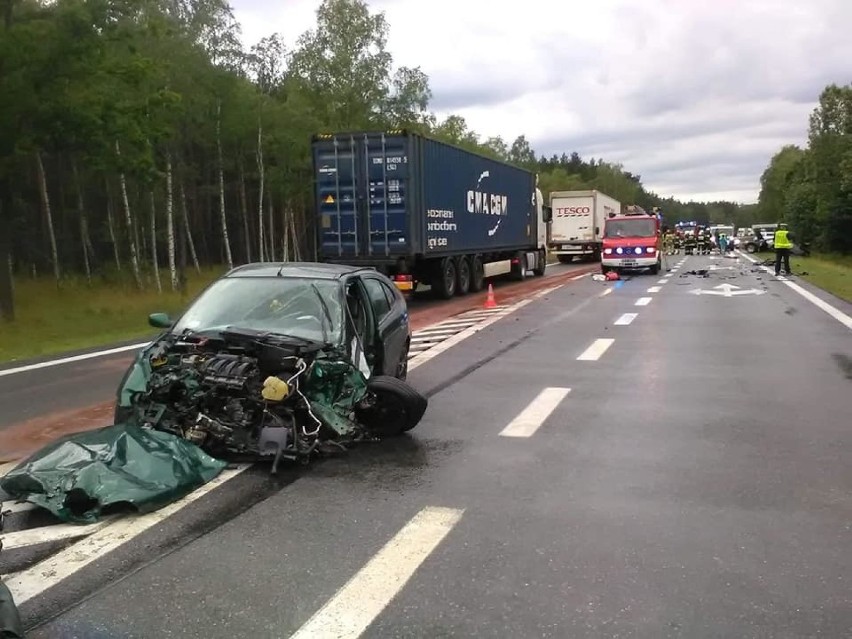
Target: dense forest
811,188
138,139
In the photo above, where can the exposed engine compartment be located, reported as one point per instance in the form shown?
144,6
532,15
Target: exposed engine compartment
246,392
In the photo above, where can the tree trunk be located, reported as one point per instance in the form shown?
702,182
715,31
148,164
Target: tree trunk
155,264
285,225
187,231
48,215
85,240
170,222
297,254
224,217
7,287
271,230
261,176
128,218
244,209
111,227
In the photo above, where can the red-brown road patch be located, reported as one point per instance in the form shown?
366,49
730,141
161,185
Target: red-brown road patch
24,438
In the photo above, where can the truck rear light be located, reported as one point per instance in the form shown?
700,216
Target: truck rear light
403,278
515,260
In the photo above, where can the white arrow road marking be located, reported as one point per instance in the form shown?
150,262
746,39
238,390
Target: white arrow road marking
727,290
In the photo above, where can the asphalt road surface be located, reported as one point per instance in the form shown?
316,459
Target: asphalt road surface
630,459
57,392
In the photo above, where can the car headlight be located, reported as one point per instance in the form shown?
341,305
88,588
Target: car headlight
607,251
638,250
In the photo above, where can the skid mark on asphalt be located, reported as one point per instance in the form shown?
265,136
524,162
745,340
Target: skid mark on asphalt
536,413
596,350
355,606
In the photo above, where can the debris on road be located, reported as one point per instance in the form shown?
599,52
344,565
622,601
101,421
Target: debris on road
80,476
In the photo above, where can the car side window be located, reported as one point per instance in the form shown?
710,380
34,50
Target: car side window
378,298
391,293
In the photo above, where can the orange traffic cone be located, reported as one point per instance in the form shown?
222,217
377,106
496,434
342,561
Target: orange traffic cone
490,302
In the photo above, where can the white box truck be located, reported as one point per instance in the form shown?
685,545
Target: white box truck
578,223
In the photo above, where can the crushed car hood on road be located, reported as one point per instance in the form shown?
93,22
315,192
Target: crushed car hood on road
78,477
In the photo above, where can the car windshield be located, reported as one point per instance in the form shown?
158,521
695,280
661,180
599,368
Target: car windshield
641,227
298,307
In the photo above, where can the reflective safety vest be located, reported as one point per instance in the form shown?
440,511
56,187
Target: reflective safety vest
781,240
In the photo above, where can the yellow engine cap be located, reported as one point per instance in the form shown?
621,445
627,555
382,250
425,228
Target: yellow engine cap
275,389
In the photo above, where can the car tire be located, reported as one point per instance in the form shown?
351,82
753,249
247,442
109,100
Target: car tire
397,408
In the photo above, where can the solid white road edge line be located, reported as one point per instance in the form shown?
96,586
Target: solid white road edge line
654,289
594,352
35,580
72,359
606,292
821,304
579,277
643,301
626,319
355,606
536,413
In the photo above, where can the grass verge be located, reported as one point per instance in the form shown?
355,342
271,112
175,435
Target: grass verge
830,272
78,315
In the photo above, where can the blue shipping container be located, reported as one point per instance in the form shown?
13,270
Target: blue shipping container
383,196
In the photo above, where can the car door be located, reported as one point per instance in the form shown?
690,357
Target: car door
391,317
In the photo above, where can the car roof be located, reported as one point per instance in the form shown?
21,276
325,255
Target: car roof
310,270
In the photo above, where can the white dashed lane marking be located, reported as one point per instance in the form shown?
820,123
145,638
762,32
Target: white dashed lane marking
357,604
626,319
536,413
594,352
654,289
643,301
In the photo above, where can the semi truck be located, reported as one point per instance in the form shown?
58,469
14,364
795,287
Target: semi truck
578,221
426,212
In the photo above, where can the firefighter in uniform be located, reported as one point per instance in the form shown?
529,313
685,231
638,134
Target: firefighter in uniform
783,246
668,242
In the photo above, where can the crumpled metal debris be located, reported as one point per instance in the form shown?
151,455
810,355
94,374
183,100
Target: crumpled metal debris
702,272
78,477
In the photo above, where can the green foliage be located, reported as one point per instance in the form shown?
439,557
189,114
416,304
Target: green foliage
811,189
135,98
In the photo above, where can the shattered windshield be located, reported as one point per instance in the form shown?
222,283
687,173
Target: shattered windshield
305,308
642,227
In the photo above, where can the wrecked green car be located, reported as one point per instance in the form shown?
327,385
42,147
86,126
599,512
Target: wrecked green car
280,361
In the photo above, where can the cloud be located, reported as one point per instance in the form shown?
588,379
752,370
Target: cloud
695,97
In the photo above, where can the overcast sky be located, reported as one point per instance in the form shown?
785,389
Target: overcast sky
693,96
